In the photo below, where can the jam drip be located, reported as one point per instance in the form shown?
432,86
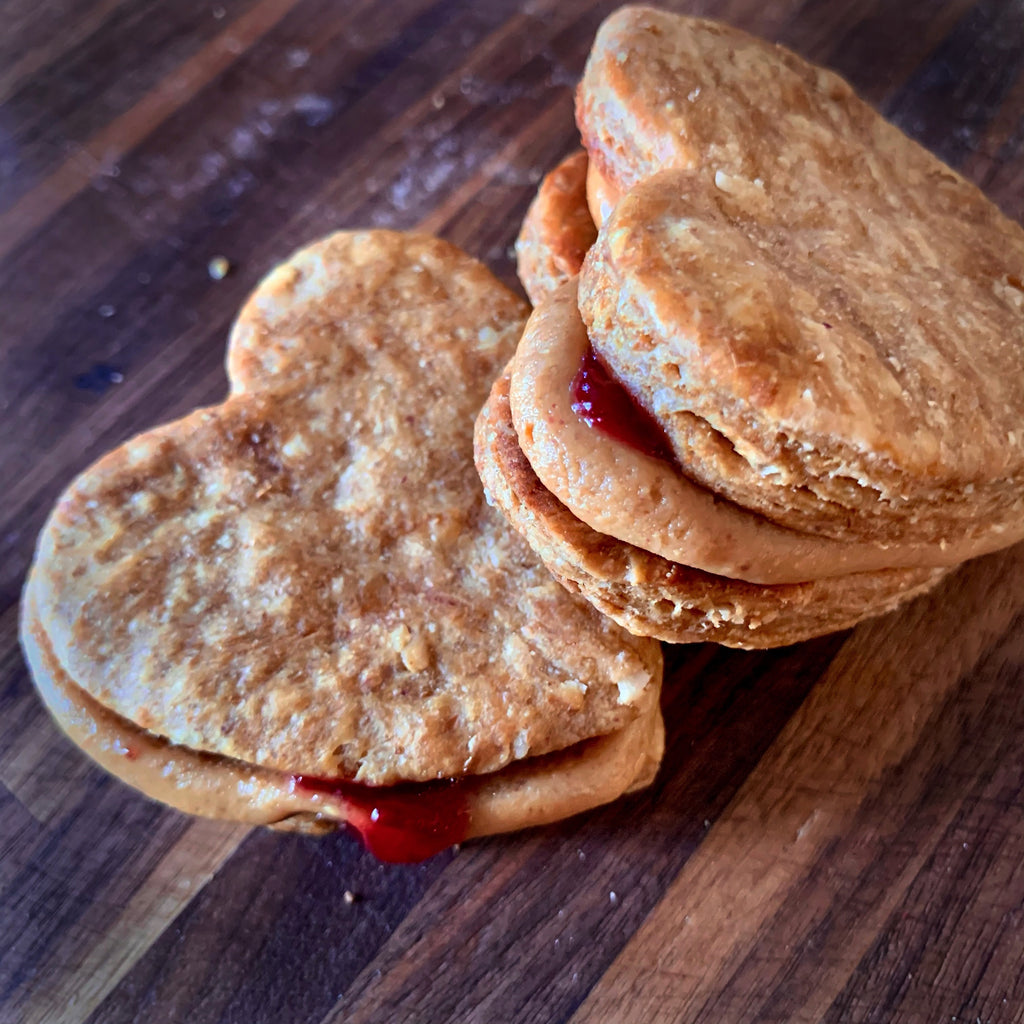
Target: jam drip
603,403
398,824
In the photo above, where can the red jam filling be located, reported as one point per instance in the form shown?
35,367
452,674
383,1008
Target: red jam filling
603,403
398,824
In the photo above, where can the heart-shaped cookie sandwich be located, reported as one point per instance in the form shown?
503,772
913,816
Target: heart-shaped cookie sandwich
297,607
786,391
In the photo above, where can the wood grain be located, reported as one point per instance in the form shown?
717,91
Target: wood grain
785,848
837,833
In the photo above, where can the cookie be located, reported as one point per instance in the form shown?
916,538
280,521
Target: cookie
824,319
306,581
398,823
661,90
657,597
557,230
786,391
861,388
600,195
643,497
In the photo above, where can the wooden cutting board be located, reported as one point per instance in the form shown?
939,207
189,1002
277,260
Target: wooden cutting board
838,830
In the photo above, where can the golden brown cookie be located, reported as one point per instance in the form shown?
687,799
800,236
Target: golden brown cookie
824,319
794,359
644,497
864,388
600,193
305,580
398,823
557,230
653,596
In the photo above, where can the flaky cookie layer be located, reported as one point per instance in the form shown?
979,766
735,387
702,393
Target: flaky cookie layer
649,502
306,577
532,792
801,390
661,90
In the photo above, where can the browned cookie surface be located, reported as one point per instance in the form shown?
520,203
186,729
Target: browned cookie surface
827,321
530,792
866,388
648,500
663,90
307,577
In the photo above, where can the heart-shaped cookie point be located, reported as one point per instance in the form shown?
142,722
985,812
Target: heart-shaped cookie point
306,580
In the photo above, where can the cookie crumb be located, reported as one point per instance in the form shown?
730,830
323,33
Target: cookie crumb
218,268
416,655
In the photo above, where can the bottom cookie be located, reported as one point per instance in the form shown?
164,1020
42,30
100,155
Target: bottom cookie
652,596
397,823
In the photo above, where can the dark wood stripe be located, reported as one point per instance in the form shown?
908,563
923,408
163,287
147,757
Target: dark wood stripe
227,959
851,904
38,35
79,872
97,81
966,965
876,46
107,147
947,104
204,179
19,827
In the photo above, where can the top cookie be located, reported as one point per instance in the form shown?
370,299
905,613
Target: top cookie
307,577
827,321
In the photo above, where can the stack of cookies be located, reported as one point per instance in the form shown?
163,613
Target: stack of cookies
774,379
773,383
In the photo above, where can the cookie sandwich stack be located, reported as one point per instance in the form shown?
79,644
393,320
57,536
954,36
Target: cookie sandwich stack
783,388
773,384
296,608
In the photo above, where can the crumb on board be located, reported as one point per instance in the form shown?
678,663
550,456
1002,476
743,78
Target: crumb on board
218,268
